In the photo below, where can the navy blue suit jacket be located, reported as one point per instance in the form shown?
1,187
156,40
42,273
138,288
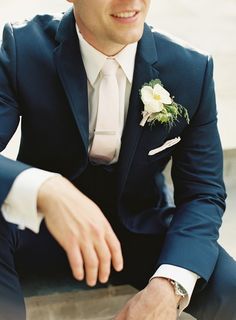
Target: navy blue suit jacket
43,80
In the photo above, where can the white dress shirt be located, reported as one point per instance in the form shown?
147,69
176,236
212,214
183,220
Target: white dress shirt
20,206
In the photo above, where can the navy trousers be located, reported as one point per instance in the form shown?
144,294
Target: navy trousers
23,253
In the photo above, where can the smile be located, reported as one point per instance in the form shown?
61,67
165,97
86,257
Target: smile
126,15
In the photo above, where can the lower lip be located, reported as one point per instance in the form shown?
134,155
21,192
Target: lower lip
126,20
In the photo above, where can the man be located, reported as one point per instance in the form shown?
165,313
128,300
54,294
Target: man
108,204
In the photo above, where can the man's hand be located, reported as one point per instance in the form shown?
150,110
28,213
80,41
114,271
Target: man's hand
156,302
81,229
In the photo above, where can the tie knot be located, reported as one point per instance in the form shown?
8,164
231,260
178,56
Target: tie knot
110,67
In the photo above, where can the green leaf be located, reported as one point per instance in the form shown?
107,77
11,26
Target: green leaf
152,83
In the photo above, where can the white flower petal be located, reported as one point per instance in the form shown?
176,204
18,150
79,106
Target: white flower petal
166,99
162,93
146,94
153,106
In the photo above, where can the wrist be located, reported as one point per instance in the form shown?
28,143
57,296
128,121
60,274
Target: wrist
48,191
163,286
167,288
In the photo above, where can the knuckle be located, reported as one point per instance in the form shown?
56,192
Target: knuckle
92,264
71,240
112,238
96,231
69,247
116,247
105,258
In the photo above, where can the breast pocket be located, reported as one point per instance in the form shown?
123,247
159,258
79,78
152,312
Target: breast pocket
168,146
160,155
145,161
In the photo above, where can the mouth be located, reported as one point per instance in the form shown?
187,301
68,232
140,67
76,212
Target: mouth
125,14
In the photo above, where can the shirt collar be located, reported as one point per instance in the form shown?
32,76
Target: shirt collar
126,59
94,60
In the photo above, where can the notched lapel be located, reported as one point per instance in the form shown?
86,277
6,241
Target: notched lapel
146,69
72,73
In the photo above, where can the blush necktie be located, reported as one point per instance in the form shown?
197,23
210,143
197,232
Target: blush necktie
106,135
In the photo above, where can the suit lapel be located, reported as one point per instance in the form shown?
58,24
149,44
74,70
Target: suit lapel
72,73
145,70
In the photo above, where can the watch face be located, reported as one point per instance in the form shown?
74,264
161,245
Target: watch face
180,290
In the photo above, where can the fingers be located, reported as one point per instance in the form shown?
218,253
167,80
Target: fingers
95,259
115,250
98,251
104,257
76,261
91,264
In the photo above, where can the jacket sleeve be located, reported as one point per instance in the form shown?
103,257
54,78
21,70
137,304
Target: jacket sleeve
9,110
199,192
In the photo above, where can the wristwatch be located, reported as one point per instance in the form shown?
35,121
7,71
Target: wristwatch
179,290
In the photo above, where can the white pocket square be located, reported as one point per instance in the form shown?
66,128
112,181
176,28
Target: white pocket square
167,144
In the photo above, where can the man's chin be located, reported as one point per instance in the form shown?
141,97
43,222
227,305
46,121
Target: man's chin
132,37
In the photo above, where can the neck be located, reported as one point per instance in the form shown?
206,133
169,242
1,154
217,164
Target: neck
108,49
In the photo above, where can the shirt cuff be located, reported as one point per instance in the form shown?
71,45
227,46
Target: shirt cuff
20,205
187,279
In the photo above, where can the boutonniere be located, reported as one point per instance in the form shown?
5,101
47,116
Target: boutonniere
159,106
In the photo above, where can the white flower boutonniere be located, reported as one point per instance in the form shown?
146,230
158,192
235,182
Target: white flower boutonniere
159,105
